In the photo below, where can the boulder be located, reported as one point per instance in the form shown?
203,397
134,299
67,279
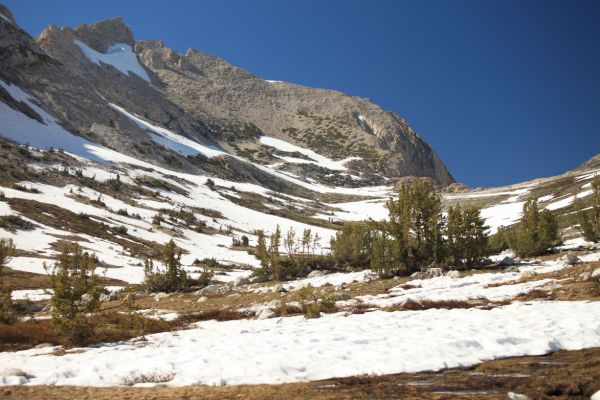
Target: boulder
507,261
202,299
315,273
313,315
257,279
240,280
108,297
596,396
279,289
596,273
486,261
33,307
433,272
274,304
584,276
528,274
571,259
343,296
160,295
454,274
210,289
265,313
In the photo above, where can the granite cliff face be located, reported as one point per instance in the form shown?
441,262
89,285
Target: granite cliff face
207,100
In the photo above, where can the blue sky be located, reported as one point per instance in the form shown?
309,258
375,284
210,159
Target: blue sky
505,91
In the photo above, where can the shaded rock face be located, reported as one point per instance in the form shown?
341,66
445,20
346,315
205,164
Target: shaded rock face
206,99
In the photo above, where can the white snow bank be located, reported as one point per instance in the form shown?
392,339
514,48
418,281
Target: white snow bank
503,214
294,349
119,55
471,287
335,279
567,200
169,139
316,158
32,294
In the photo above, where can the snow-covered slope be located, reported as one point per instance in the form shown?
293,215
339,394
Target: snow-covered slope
267,351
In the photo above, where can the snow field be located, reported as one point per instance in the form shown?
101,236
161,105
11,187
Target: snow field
294,349
119,55
316,158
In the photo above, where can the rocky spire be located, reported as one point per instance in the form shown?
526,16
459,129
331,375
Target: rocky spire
101,35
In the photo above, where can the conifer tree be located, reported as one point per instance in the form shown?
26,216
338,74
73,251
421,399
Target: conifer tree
353,244
261,249
536,232
589,220
415,223
76,294
289,242
172,278
467,240
7,314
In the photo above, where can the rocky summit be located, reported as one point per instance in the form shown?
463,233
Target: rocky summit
78,76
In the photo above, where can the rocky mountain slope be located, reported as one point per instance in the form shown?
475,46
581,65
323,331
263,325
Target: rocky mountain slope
75,74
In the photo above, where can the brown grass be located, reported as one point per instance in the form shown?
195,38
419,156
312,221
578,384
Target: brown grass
21,280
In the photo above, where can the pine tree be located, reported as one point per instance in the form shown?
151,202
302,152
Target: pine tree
76,294
353,245
306,241
589,220
7,250
289,242
536,232
385,260
7,309
261,249
415,223
172,278
454,234
275,265
475,236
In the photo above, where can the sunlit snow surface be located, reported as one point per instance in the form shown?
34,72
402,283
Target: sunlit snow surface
178,143
295,349
119,55
314,157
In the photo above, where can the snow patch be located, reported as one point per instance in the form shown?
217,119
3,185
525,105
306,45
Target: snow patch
316,158
119,55
169,139
266,351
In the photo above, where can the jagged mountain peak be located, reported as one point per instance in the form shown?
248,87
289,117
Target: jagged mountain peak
99,35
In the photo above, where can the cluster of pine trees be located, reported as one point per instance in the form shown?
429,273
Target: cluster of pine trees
416,235
300,254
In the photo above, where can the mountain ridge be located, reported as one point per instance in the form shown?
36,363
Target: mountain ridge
203,97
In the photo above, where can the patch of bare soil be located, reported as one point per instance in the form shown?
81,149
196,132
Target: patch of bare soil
562,375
